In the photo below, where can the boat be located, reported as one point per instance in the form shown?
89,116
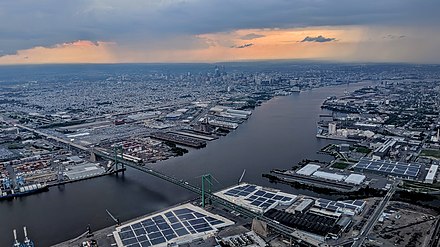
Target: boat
23,190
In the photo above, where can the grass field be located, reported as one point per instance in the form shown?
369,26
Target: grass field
340,165
430,153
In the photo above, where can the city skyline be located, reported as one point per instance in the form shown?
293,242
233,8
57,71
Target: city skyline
212,31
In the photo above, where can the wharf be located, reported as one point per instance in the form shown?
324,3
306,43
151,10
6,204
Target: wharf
314,182
336,138
179,139
84,178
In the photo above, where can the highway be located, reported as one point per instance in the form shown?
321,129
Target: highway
373,219
51,137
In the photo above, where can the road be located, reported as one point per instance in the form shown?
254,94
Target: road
435,237
374,217
51,137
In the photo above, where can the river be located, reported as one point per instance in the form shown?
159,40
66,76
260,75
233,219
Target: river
280,133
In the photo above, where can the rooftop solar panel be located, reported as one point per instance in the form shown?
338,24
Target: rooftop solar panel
259,193
286,199
157,230
145,244
186,216
128,241
142,238
151,229
139,232
255,203
390,167
182,232
158,240
358,202
269,195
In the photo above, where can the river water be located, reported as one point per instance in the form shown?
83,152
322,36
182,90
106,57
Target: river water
280,133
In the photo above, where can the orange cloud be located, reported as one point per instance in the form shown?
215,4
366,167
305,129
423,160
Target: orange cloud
347,43
81,51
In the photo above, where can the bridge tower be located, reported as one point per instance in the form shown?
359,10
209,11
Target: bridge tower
93,157
60,172
206,188
118,151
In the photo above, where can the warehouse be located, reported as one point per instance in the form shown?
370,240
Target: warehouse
329,176
430,177
176,226
389,168
355,179
256,198
308,170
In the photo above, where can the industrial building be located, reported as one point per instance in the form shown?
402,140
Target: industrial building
332,128
173,227
355,179
430,177
380,152
389,168
256,198
315,217
329,176
82,171
308,170
312,170
345,207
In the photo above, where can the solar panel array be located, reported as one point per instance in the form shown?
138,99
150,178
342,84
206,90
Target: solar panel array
400,169
334,206
241,190
257,197
165,227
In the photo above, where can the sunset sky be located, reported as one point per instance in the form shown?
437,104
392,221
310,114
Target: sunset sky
125,31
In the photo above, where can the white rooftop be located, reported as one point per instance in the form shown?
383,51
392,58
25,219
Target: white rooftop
355,179
431,173
308,170
329,176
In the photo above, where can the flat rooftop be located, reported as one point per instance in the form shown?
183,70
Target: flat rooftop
256,198
179,225
83,171
389,167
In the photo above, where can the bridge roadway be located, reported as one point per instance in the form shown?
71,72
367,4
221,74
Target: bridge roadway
273,224
52,137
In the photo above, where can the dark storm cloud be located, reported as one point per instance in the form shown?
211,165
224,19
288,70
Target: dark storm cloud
243,46
391,36
251,36
319,39
28,23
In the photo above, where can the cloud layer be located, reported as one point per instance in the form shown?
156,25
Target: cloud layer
319,39
149,25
